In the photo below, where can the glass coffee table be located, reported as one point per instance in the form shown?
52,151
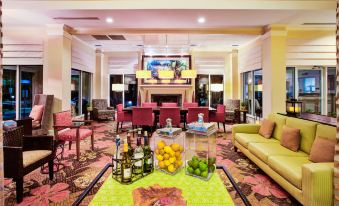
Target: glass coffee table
194,191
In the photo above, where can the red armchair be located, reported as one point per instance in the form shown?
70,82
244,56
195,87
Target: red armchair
122,116
190,104
192,115
65,130
169,112
149,104
169,104
142,116
219,116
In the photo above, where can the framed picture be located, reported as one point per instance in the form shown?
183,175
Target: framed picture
173,63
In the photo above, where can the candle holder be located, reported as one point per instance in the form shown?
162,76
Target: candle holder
293,108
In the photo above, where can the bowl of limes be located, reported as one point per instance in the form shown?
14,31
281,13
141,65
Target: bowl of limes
201,168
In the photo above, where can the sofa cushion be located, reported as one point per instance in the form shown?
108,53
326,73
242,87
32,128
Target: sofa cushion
307,132
30,157
70,134
36,112
279,121
289,168
290,138
265,150
322,150
244,139
266,128
327,131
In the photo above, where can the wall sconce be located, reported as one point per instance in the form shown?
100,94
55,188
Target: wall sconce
119,87
217,87
165,74
189,74
293,107
143,74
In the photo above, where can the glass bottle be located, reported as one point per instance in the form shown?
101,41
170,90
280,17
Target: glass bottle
117,153
126,167
137,156
130,149
148,162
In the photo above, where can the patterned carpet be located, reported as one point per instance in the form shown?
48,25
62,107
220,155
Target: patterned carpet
77,175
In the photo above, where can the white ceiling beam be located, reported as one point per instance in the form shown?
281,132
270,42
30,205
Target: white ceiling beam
173,4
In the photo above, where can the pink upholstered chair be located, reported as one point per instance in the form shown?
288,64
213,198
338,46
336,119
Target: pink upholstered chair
142,116
169,112
192,115
190,104
219,115
149,104
169,104
65,130
122,116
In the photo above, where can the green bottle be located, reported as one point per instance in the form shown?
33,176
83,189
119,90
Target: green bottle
148,161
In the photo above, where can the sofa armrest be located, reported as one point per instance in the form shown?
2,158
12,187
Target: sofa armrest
13,162
244,128
317,184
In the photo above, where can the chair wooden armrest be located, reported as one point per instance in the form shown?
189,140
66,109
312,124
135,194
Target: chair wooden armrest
42,142
13,161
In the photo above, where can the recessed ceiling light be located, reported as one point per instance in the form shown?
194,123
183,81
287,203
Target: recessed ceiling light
201,20
109,20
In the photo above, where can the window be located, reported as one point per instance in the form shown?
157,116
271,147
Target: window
290,82
202,89
86,90
115,94
217,90
248,90
258,93
309,90
20,84
75,92
9,92
131,91
331,91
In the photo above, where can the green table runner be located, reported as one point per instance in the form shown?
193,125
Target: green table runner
195,191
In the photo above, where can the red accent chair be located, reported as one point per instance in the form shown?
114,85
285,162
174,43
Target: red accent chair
142,116
219,115
122,116
169,112
149,104
169,104
192,115
190,104
65,130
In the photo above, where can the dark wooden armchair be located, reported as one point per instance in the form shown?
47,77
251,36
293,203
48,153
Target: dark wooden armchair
23,154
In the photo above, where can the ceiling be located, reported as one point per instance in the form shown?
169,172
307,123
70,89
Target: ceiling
93,20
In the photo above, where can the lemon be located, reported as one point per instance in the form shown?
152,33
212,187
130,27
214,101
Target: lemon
162,164
168,149
157,151
172,159
160,157
172,154
178,163
178,155
175,147
166,156
161,144
181,149
167,162
171,168
162,152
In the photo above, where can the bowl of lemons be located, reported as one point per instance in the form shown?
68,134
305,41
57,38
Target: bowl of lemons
169,157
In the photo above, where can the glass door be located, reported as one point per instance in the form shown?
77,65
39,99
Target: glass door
26,90
9,92
75,92
217,90
202,89
130,90
86,90
331,91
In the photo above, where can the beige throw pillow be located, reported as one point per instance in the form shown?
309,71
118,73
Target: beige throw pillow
322,150
266,128
290,138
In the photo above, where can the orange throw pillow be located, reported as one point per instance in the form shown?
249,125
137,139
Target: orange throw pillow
266,128
290,138
322,150
36,113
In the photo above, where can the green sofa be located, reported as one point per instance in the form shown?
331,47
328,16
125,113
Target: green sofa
310,183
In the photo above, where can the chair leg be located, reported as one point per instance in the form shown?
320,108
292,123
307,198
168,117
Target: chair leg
19,189
70,145
78,149
121,125
117,127
218,126
224,127
92,141
50,169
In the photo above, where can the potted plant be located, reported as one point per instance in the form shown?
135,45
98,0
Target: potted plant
243,106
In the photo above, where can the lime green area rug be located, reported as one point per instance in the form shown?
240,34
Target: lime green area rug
195,191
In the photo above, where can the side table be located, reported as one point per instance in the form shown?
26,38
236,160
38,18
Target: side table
26,122
238,113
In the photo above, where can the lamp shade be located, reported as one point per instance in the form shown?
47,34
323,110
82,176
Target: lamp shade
217,87
165,74
189,74
143,74
119,87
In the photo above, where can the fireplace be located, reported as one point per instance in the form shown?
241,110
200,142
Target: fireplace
160,98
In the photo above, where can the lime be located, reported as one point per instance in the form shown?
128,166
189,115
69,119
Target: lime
195,164
190,163
211,160
202,166
211,168
197,171
204,174
204,161
195,158
190,170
